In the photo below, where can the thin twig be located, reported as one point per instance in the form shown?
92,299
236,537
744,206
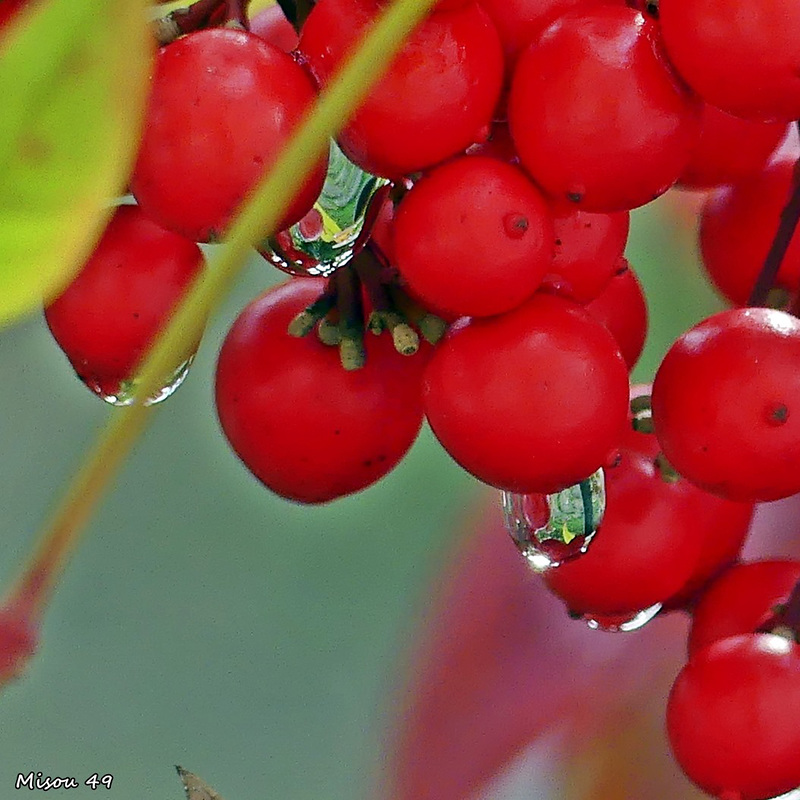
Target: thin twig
780,244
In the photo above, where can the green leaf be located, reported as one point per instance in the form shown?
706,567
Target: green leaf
73,81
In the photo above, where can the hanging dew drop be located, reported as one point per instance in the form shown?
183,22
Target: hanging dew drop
121,393
551,529
621,624
325,238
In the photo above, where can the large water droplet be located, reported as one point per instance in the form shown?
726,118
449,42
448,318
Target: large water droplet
622,623
551,529
121,393
325,238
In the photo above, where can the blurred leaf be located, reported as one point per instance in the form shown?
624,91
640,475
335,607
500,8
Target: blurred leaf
627,757
502,665
195,788
73,78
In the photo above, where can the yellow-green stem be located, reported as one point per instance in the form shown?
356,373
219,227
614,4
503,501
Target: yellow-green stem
258,217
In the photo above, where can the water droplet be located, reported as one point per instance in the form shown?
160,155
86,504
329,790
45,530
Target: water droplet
551,529
324,239
621,624
120,393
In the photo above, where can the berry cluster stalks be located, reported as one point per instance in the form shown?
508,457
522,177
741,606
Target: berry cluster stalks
224,13
28,597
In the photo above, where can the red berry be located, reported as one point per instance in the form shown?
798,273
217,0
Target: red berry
622,308
533,400
436,97
730,149
741,600
474,237
108,317
737,226
305,427
726,404
650,544
271,25
520,21
732,717
596,114
588,250
222,105
763,80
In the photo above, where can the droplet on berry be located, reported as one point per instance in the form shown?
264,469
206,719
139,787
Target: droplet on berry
551,529
624,623
325,238
122,393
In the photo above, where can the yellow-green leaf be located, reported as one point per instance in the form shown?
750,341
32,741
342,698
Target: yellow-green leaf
73,81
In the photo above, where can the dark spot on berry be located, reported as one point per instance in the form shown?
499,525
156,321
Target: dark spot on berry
368,463
574,197
777,414
558,242
136,315
515,225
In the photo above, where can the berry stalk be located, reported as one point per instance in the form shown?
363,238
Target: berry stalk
780,244
201,14
262,211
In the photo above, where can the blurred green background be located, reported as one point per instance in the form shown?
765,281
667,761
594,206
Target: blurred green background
207,623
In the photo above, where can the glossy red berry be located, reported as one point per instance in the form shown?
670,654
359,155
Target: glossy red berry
726,404
435,100
763,80
651,543
622,308
587,253
605,149
305,427
742,600
108,317
737,225
730,149
222,105
533,400
520,21
732,717
474,237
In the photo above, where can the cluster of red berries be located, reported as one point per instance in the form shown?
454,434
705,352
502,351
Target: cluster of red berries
488,177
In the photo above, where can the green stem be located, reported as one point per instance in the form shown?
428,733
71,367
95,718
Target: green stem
259,216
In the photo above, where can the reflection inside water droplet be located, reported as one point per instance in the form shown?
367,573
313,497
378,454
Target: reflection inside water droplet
325,238
551,529
122,393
